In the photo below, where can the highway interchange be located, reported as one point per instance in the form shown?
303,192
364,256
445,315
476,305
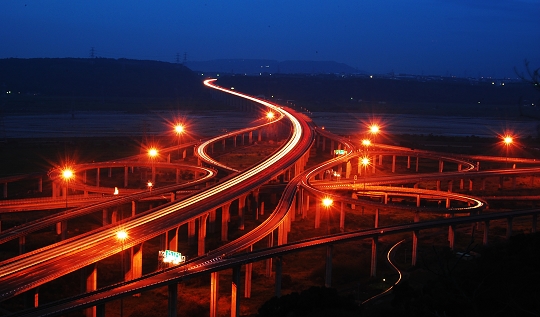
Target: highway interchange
32,269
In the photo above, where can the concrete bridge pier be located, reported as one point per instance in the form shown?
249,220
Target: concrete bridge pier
172,300
235,300
509,221
225,218
268,264
250,137
133,208
486,232
241,211
172,241
342,217
380,159
249,274
470,185
89,276
451,236
328,275
393,163
441,166
374,245
317,215
408,161
104,218
201,249
191,232
214,293
417,163
212,221
414,248
134,262
279,267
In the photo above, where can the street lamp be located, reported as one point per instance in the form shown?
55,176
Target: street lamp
365,162
374,129
327,203
153,153
122,236
149,185
507,141
67,174
270,115
179,130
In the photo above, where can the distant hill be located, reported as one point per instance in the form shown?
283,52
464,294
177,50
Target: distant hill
263,66
95,84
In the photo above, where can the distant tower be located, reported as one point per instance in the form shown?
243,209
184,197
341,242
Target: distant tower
92,52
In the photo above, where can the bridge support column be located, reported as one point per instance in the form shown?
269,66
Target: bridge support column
126,176
97,177
374,244
376,224
134,266
317,215
133,208
247,279
268,264
380,159
417,200
509,227
470,185
393,163
451,236
212,221
241,211
441,166
235,300
191,232
450,185
342,217
89,275
438,185
408,161
214,293
172,300
279,266
486,232
172,241
328,275
104,218
300,200
201,249
225,217
415,241
417,163
483,184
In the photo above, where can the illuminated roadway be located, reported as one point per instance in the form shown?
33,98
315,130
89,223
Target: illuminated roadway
31,270
223,257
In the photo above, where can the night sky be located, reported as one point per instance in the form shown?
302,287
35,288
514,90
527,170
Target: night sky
431,37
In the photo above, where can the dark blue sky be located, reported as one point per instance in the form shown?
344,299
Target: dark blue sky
440,37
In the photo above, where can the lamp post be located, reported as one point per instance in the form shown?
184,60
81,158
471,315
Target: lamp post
122,236
507,141
327,203
67,174
153,153
149,185
365,163
179,130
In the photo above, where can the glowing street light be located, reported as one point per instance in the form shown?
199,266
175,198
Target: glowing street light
67,175
507,140
327,202
153,153
374,129
149,185
270,115
366,142
179,130
365,162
